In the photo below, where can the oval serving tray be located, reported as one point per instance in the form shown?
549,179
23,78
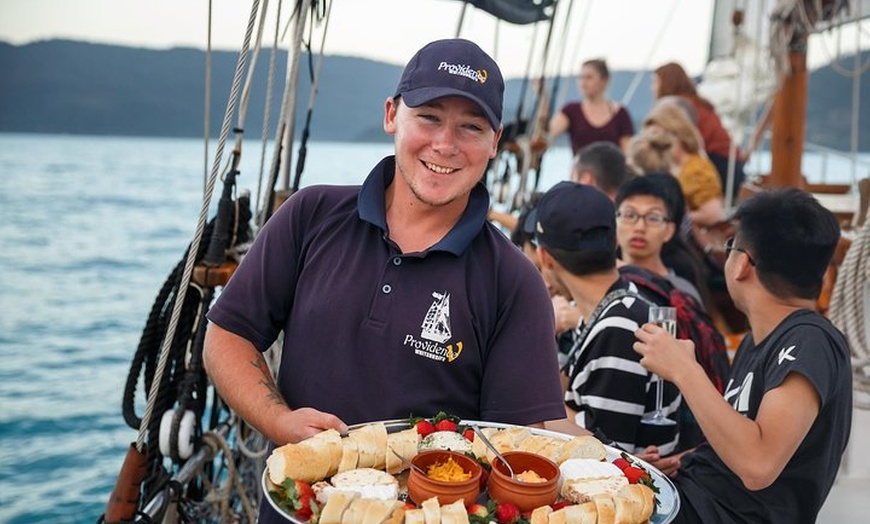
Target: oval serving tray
668,499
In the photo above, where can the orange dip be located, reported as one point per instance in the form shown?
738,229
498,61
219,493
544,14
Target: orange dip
531,477
448,471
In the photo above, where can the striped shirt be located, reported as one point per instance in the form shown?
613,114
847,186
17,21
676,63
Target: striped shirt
609,389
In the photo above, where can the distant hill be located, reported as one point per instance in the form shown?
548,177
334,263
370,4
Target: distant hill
61,86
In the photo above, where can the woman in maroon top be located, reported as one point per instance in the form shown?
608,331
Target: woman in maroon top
596,117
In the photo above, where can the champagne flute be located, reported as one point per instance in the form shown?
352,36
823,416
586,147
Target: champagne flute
665,317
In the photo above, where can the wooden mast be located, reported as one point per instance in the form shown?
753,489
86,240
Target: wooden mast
789,119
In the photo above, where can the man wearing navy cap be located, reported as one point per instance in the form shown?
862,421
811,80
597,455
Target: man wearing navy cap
396,297
607,390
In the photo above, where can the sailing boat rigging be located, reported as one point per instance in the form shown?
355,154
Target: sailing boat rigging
195,460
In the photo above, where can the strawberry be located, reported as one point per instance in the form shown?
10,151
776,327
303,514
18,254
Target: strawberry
506,513
478,510
561,504
307,507
445,425
621,463
468,434
410,505
634,474
424,427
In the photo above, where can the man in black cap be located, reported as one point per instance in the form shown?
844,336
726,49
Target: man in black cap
396,297
607,389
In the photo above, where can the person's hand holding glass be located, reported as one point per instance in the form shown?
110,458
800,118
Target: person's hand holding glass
665,317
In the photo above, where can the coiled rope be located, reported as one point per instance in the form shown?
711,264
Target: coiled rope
850,310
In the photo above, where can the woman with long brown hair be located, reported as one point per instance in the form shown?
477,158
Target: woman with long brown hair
671,80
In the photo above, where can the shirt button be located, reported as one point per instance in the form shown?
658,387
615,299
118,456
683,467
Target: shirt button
397,261
387,289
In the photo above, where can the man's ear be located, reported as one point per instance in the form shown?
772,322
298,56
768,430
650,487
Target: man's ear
545,258
495,140
391,107
671,230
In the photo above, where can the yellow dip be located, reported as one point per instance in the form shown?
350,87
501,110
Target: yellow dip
531,477
448,471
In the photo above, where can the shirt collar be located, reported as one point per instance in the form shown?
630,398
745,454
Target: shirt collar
372,208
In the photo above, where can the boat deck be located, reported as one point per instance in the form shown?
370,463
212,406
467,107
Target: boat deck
849,500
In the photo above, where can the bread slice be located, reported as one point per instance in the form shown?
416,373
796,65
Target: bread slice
397,516
478,447
308,460
584,447
624,510
540,515
643,498
379,435
349,455
431,510
585,513
415,516
335,507
605,508
405,444
366,445
355,511
330,441
454,513
379,511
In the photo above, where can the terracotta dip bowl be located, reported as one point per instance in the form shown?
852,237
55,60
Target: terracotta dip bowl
422,487
525,495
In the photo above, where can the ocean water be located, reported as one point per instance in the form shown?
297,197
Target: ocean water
89,229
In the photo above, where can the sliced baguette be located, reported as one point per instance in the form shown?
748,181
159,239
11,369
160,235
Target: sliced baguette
454,513
624,510
379,511
431,510
415,516
540,515
349,455
335,507
605,507
583,447
644,498
309,460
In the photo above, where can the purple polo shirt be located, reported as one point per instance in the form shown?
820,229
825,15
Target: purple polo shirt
372,333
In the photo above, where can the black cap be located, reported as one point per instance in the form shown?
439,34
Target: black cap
572,216
454,67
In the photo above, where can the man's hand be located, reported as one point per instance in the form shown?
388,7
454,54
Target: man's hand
663,354
567,315
299,424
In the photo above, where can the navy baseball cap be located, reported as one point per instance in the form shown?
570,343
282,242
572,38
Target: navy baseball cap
454,67
572,216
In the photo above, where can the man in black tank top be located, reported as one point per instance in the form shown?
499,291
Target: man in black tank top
775,443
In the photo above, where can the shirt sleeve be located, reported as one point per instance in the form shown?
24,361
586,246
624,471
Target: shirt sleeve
806,350
700,182
624,125
258,297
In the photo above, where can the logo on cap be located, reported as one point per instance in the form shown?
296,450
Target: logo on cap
479,75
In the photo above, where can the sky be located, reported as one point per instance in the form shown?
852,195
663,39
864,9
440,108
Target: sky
629,34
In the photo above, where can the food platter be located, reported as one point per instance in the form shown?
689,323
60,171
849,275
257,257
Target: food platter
667,500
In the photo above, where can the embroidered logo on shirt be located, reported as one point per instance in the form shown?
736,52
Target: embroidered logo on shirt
436,325
436,330
785,354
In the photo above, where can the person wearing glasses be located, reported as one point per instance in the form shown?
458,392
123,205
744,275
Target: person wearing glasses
776,437
606,389
646,221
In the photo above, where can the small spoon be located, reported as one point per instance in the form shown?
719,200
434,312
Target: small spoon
492,448
408,462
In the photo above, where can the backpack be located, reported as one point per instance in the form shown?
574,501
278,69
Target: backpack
693,322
